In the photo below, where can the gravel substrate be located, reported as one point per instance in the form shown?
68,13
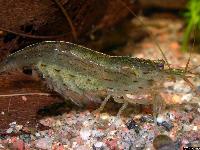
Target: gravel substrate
83,130
80,129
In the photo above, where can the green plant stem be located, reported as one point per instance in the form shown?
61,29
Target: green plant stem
187,36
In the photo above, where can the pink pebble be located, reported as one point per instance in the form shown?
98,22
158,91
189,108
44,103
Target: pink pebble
19,145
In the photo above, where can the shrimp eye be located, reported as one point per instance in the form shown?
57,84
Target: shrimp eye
27,70
161,66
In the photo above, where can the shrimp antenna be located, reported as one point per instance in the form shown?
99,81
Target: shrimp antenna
187,64
153,38
74,32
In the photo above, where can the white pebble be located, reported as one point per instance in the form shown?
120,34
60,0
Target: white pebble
44,143
37,134
10,130
3,113
195,128
187,128
1,146
58,123
187,97
104,116
96,133
171,116
185,142
85,133
160,119
13,123
18,127
24,98
181,88
99,144
131,96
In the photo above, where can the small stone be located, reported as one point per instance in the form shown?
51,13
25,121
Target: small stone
104,116
195,144
44,143
37,134
10,130
185,141
97,134
112,144
25,137
26,129
130,96
176,99
187,128
47,121
83,147
195,128
160,119
104,120
181,88
58,146
198,88
12,124
163,142
18,127
131,124
19,145
98,144
24,98
186,97
3,113
58,123
147,118
85,133
188,108
168,125
1,146
116,122
171,116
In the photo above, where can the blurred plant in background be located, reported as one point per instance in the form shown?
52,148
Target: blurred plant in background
192,16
